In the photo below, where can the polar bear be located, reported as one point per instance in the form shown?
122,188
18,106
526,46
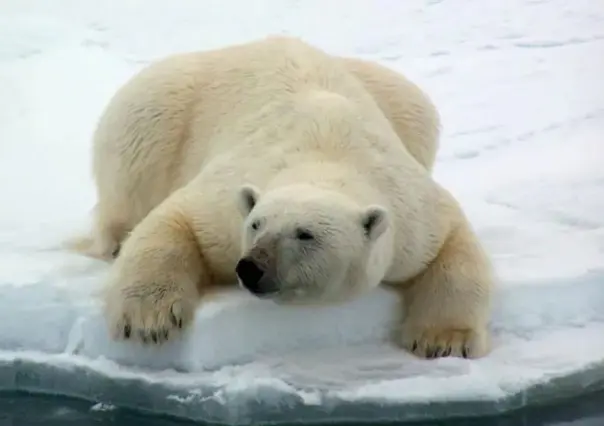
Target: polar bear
303,176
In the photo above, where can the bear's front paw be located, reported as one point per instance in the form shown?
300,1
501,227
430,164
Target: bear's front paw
149,313
444,342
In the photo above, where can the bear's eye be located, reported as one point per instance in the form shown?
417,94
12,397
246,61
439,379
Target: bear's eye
304,235
255,225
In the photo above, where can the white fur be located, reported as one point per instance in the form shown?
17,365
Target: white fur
195,148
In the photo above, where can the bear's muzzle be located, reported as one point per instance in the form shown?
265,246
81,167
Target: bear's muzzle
253,277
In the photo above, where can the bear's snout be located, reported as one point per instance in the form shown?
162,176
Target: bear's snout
252,277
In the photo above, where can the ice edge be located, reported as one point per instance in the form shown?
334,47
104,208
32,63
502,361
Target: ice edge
83,379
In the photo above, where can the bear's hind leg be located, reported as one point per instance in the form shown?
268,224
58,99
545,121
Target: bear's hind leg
104,240
110,236
447,306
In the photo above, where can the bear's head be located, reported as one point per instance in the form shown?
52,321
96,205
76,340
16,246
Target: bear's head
307,245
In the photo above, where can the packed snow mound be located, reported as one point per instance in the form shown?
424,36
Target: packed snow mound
519,88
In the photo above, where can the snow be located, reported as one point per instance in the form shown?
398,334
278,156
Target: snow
519,87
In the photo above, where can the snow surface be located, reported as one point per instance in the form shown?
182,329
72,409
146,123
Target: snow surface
519,85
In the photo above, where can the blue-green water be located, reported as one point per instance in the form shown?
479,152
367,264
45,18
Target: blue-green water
17,409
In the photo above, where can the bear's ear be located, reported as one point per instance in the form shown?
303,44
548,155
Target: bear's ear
374,220
248,197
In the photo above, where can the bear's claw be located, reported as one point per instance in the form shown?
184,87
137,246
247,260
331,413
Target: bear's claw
430,343
147,318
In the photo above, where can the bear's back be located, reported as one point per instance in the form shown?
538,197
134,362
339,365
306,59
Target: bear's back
277,94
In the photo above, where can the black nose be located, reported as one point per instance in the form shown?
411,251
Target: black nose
250,274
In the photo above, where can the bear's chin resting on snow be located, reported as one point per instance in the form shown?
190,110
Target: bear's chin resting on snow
305,177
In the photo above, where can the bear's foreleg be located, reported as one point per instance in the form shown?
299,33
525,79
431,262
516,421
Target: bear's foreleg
447,306
157,280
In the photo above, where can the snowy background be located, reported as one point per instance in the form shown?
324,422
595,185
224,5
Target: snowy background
520,89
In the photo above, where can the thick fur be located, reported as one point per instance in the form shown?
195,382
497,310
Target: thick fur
204,159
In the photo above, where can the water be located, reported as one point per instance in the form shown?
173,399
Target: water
19,409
